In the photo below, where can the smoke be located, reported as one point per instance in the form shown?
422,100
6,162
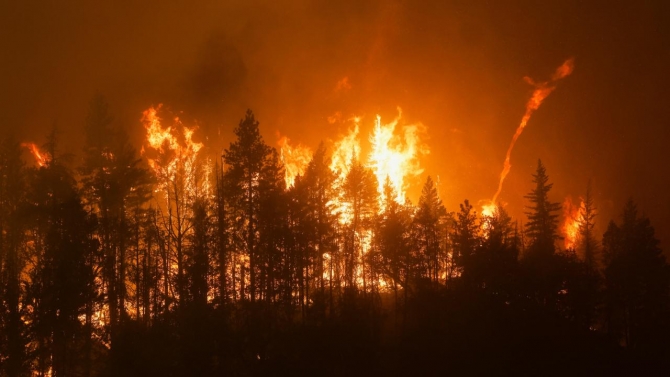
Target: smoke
218,74
542,91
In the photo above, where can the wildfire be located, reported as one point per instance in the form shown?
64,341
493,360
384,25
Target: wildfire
572,215
172,154
175,154
542,90
40,158
295,160
346,150
394,158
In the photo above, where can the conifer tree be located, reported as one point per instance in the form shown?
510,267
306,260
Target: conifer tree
427,232
466,240
246,158
587,240
360,194
542,224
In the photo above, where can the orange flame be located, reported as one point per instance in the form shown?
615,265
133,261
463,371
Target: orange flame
572,215
346,150
295,160
395,157
175,153
542,90
40,158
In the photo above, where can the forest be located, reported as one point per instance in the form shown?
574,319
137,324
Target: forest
162,261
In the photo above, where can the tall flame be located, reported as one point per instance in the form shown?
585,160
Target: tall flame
346,150
40,158
542,90
175,152
572,215
395,157
295,159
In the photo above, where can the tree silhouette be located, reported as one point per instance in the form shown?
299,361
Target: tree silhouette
61,283
587,239
466,241
246,158
542,224
320,220
114,273
541,266
393,242
360,195
12,257
115,188
428,232
496,260
636,279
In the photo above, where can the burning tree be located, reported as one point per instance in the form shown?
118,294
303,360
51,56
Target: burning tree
182,174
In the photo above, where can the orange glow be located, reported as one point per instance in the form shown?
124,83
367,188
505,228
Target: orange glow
572,215
343,84
395,157
295,160
542,90
40,158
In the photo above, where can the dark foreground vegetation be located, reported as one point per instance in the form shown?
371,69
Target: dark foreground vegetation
113,267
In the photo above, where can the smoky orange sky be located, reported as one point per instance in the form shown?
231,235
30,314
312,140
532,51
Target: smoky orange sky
455,66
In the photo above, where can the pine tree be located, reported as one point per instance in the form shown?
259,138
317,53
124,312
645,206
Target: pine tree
320,221
587,240
392,240
542,268
272,227
246,159
466,240
542,224
427,232
360,195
